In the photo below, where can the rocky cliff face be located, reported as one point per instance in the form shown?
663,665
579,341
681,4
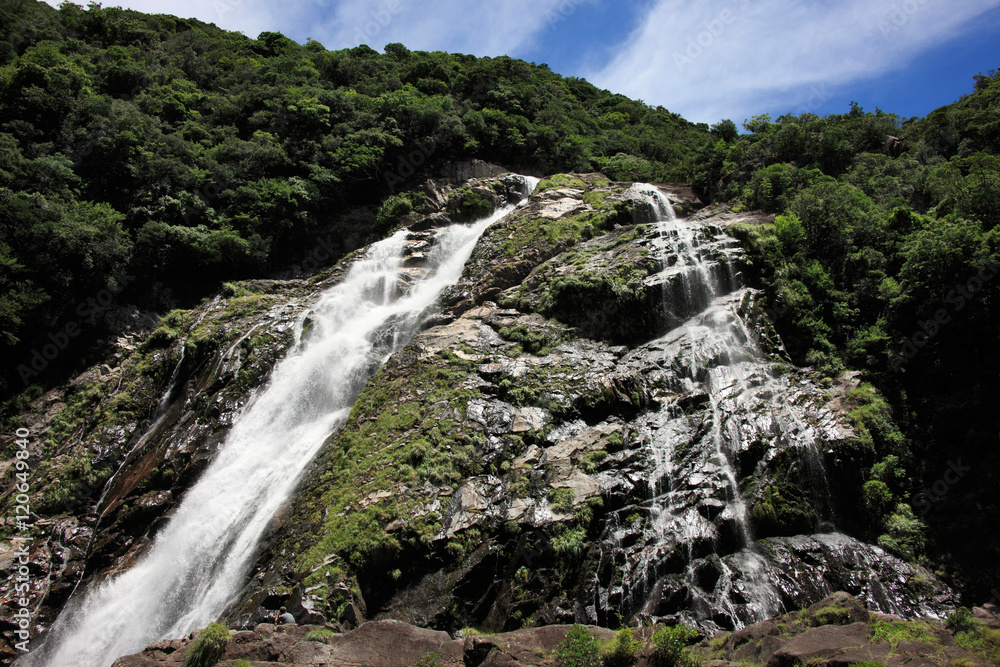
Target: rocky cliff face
599,425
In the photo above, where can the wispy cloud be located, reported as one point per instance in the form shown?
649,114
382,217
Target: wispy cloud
713,60
480,28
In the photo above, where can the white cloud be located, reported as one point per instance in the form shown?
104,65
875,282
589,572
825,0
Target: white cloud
713,60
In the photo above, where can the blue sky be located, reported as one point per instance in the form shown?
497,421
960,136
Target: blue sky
706,59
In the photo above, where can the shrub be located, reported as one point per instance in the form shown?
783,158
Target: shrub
208,648
670,646
624,651
961,621
570,544
579,649
562,499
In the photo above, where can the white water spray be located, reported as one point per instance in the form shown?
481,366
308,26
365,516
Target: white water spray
199,561
709,353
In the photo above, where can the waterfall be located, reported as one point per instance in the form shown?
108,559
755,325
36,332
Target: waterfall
693,559
198,562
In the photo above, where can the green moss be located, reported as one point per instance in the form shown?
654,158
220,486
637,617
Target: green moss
562,499
558,182
467,204
531,340
832,615
401,434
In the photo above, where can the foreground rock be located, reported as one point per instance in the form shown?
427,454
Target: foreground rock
835,632
374,644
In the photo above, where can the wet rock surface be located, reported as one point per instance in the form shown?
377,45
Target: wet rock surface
675,472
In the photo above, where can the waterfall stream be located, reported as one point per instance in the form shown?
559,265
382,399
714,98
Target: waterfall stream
199,561
688,554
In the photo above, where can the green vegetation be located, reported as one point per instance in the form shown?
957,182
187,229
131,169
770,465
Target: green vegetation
671,646
579,649
209,647
624,651
901,631
429,660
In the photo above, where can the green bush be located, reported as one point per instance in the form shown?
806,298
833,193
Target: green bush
570,543
624,651
209,647
579,649
670,644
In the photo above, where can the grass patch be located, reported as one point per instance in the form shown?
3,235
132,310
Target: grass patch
209,647
321,635
901,631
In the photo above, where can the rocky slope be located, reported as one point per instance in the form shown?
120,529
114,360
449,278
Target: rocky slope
598,426
583,436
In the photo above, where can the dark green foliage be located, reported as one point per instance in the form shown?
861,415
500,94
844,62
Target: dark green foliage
670,644
579,649
209,647
183,156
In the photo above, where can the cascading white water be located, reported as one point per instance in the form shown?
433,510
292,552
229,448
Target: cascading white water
709,354
199,561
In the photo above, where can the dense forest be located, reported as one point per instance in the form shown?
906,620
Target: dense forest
160,156
147,159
